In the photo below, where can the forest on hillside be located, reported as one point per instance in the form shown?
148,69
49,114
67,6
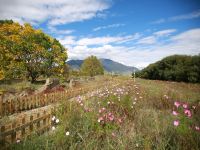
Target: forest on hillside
174,68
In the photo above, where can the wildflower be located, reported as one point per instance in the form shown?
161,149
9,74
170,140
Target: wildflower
177,104
134,103
53,118
137,145
100,111
193,107
100,119
113,134
120,120
176,123
67,133
188,112
18,141
131,106
53,128
185,106
57,120
197,128
140,97
108,102
174,113
81,104
165,96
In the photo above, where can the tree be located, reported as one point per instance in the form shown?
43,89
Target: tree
92,66
175,68
28,52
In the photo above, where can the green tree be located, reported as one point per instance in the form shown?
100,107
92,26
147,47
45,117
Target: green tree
175,68
92,66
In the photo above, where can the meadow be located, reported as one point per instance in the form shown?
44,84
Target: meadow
123,114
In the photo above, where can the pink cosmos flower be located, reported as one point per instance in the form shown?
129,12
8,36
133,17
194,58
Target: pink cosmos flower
185,106
188,112
177,104
176,123
197,128
174,113
111,118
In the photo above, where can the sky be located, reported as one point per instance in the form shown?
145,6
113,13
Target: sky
132,32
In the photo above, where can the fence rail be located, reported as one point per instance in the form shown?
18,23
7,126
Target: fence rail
24,125
38,118
17,105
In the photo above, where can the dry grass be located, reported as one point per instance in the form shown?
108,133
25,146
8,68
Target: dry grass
145,109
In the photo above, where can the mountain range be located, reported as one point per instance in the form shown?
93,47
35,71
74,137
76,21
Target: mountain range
108,64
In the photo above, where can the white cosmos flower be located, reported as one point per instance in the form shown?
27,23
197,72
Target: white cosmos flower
53,118
53,128
67,133
57,120
18,141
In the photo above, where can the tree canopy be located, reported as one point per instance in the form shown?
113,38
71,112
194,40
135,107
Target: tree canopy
174,68
27,52
92,66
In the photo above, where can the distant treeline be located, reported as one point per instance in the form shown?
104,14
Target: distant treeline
174,68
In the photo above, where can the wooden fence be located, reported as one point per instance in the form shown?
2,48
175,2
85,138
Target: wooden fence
23,125
17,105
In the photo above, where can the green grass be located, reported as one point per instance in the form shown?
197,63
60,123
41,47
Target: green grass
146,123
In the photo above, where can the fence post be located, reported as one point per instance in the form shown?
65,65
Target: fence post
1,107
13,135
2,138
31,125
23,129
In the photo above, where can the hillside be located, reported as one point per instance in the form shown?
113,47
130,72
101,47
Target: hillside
108,64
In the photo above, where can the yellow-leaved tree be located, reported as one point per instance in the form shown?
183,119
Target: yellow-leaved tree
27,52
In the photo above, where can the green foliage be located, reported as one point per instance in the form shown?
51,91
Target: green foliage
92,66
27,52
174,68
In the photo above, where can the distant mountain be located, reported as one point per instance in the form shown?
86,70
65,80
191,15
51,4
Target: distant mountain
109,66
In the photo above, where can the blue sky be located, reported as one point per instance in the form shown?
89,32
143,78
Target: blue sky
133,32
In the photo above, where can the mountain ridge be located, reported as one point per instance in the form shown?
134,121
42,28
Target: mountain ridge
108,64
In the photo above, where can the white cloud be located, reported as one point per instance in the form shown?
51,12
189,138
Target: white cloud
108,26
192,15
164,32
147,40
58,31
67,40
139,56
107,40
54,11
195,14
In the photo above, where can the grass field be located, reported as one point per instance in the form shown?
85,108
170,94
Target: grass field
122,115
